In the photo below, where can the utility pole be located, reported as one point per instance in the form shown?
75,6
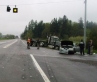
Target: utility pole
85,23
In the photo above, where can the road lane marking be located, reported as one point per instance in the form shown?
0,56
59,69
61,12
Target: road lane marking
39,69
10,44
2,42
24,43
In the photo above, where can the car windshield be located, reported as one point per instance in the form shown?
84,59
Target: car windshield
56,39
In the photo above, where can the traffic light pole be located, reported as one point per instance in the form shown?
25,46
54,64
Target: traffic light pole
85,23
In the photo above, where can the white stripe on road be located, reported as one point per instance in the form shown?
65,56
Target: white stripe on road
2,42
24,43
40,70
10,44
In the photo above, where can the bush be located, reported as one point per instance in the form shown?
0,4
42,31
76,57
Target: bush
76,39
93,36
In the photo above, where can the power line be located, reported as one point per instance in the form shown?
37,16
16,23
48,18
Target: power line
44,3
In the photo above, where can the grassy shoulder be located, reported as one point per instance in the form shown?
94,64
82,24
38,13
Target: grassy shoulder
5,39
94,51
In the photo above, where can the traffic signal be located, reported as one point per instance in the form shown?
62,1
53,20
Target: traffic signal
15,10
8,9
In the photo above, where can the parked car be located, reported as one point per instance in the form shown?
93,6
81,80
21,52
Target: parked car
66,47
76,48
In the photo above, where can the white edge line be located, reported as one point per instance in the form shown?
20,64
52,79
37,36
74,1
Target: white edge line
2,42
39,69
23,43
10,44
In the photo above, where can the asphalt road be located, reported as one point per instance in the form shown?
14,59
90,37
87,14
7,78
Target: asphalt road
18,64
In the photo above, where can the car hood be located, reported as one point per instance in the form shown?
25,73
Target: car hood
63,43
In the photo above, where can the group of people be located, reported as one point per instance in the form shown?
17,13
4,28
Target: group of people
30,40
82,47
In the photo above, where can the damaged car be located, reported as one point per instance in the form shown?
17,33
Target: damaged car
66,47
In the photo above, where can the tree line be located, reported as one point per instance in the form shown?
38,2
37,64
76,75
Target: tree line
7,36
61,27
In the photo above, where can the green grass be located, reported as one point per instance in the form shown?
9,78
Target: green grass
4,39
94,51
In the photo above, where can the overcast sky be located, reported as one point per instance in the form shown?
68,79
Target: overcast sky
46,10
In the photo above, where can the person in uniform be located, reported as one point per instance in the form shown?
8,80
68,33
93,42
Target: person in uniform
28,42
81,45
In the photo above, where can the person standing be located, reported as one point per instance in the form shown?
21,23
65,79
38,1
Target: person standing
90,47
28,43
38,43
81,45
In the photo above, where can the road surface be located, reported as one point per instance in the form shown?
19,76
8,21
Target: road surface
18,64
